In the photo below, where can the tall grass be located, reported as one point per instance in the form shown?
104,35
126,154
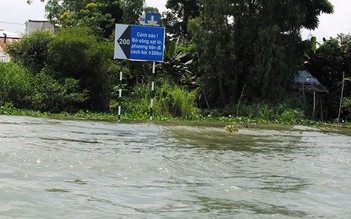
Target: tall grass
176,101
170,100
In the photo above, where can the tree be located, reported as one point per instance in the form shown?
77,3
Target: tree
211,34
89,61
179,65
132,10
178,14
252,44
331,60
72,63
151,10
99,15
31,51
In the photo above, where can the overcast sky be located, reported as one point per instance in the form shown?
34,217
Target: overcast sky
14,13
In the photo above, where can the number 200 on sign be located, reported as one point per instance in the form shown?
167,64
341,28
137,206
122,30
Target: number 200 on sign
124,42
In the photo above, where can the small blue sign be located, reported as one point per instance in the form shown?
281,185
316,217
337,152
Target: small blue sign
139,43
152,19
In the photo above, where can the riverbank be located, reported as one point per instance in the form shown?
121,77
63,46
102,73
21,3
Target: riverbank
243,122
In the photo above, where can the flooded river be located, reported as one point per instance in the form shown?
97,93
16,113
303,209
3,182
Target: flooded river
88,169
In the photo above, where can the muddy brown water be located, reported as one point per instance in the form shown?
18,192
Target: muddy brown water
53,168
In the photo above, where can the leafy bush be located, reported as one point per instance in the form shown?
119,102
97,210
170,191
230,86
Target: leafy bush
290,116
52,96
19,88
76,53
15,84
170,100
346,104
32,50
73,53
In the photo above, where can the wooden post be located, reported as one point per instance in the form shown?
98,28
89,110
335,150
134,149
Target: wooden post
314,104
241,96
342,95
321,104
304,96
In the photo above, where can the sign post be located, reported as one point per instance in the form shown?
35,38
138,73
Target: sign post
120,96
141,43
152,91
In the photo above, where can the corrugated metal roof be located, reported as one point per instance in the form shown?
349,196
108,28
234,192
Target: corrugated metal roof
304,77
307,82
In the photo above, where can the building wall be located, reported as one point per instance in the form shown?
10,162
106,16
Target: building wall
4,57
32,26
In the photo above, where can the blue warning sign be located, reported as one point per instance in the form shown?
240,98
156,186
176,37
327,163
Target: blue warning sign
139,43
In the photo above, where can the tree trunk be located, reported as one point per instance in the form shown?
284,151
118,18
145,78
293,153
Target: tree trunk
222,90
342,95
241,96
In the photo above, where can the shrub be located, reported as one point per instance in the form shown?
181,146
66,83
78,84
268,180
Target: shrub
170,100
15,85
138,100
290,116
175,100
52,96
346,104
32,50
76,53
72,53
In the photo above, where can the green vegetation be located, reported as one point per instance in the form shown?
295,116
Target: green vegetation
251,45
31,51
15,84
224,60
22,89
171,101
331,60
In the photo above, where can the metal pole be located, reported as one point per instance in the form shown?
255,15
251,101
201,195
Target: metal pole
120,96
152,91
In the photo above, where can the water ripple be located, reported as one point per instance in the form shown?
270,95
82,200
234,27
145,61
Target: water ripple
89,169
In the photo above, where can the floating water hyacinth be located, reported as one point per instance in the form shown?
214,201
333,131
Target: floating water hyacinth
232,128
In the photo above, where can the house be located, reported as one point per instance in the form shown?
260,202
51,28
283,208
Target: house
5,38
305,82
36,25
